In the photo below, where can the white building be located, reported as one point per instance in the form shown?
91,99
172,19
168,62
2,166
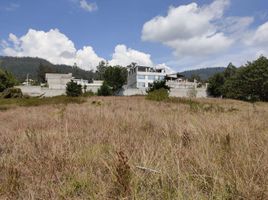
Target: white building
95,86
58,81
141,76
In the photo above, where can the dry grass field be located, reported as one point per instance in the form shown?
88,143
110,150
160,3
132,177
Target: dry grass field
133,148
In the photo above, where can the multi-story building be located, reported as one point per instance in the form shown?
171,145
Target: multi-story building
141,76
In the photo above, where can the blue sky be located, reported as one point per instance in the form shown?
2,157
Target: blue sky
191,34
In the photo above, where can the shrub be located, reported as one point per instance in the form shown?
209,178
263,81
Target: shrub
7,80
105,90
88,94
11,93
73,89
158,95
158,85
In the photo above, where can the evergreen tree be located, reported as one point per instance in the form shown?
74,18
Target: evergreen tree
215,85
101,68
73,89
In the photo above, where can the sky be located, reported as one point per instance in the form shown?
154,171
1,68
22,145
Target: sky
176,34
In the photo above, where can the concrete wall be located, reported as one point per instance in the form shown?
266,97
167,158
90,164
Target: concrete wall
35,91
93,88
175,92
188,92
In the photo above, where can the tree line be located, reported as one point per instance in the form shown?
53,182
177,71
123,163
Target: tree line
113,77
248,82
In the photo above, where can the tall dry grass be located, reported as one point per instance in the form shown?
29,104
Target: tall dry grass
132,148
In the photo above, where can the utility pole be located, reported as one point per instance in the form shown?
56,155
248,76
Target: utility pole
27,83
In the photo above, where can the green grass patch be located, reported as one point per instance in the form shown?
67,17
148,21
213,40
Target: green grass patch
200,106
36,101
158,95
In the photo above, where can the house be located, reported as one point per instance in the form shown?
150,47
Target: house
141,76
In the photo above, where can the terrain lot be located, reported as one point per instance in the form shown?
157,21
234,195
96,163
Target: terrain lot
133,148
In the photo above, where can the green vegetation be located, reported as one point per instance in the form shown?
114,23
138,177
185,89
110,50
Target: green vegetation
36,101
248,83
88,94
114,78
202,74
7,80
157,85
158,95
73,89
105,90
21,66
11,93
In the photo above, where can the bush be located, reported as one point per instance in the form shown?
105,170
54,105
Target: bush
7,80
88,94
158,85
11,93
158,95
105,90
73,89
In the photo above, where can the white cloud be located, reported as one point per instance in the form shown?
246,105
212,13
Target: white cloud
53,46
259,37
168,69
10,7
190,30
125,56
87,6
59,49
202,36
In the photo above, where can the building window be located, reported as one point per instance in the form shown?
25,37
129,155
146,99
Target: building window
151,77
141,84
141,77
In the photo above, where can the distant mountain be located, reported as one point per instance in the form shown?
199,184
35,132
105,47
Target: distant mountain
21,66
203,73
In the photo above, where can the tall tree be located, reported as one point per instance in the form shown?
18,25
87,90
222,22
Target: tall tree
116,77
215,85
42,70
101,68
229,71
250,82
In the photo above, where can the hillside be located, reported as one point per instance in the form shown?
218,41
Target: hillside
20,67
204,73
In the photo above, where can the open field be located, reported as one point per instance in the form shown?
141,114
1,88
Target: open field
133,148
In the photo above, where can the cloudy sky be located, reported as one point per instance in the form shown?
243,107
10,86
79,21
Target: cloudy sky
181,34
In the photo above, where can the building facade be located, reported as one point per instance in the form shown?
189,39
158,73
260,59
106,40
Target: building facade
58,81
141,76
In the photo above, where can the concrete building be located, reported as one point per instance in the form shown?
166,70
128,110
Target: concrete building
93,87
141,76
56,85
58,81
